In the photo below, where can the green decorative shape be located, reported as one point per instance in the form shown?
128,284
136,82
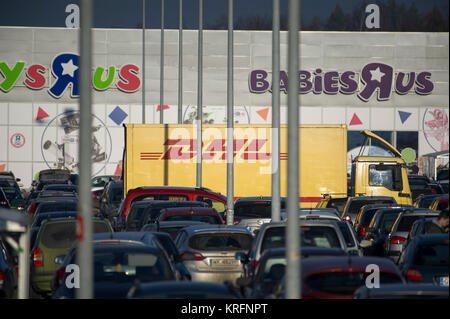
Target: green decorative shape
11,75
101,85
408,155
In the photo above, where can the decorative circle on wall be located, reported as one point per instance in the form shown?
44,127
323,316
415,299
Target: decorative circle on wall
17,140
435,128
64,146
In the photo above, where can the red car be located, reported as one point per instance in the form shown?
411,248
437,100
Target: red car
200,214
340,277
171,193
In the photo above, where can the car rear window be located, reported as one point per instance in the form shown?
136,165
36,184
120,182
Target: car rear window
356,205
367,216
314,236
172,231
431,255
338,204
63,234
345,283
406,222
387,220
210,219
253,210
57,207
168,197
221,241
120,266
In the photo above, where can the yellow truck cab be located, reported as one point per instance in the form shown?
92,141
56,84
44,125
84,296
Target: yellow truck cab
380,175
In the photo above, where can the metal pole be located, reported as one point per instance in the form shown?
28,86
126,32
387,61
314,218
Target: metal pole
161,81
276,112
200,94
23,285
230,118
293,279
180,64
143,61
84,253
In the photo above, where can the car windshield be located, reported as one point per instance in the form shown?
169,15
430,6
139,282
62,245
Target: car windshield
314,236
210,219
431,255
63,234
221,241
57,207
345,283
130,266
356,205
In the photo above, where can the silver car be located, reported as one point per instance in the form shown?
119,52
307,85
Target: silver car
208,251
400,230
326,233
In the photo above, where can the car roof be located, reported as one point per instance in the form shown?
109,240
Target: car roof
174,188
138,236
157,203
208,228
420,212
188,210
127,247
358,198
255,199
184,223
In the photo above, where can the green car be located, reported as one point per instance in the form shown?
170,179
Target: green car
425,260
15,198
53,241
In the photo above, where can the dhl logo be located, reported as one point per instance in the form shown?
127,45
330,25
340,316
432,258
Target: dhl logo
186,149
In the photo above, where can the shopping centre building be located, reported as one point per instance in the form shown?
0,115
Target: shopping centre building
393,83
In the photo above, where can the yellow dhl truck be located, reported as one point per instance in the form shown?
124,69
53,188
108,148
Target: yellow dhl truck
159,155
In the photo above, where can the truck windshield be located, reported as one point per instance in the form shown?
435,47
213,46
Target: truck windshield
389,176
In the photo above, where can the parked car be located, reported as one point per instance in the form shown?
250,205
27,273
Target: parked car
354,204
171,228
53,241
8,278
118,266
208,251
39,219
329,201
340,277
419,227
4,203
172,193
419,187
364,217
315,233
15,198
399,231
425,260
402,291
439,203
111,199
271,269
252,212
144,212
201,214
379,228
182,290
424,201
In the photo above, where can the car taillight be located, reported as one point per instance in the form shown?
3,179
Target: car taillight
397,240
255,263
33,208
192,255
433,191
236,221
60,273
414,275
362,230
38,258
1,277
3,203
95,196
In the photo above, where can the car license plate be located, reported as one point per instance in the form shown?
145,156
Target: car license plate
444,281
224,262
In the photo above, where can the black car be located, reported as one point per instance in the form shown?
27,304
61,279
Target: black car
424,201
111,198
118,266
144,212
419,227
425,260
379,228
7,273
364,217
182,290
354,204
419,187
